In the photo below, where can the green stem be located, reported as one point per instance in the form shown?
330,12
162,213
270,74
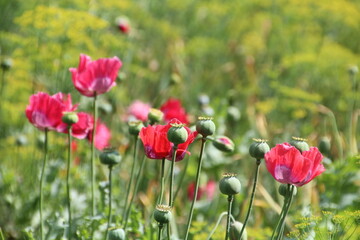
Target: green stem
258,161
1,235
160,231
138,177
110,205
68,183
280,217
230,201
182,177
41,184
93,204
162,180
168,231
216,225
171,199
197,183
132,175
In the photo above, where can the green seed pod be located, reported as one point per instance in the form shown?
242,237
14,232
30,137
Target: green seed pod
235,229
300,144
162,214
205,126
229,184
155,116
258,148
283,190
224,144
6,64
324,145
135,127
177,134
117,234
110,157
70,118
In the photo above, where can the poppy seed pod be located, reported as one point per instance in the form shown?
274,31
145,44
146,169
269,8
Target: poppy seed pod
300,144
324,145
162,214
258,148
229,184
110,157
235,229
6,64
224,144
205,126
135,127
285,192
70,118
177,134
117,234
155,115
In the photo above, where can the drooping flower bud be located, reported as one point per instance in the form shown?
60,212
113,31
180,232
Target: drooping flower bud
205,126
110,157
285,191
135,127
229,184
177,134
6,64
155,116
235,229
70,118
224,144
300,144
258,148
324,145
117,234
162,214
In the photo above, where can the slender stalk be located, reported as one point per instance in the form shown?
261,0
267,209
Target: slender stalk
93,204
280,217
138,177
216,225
41,184
258,162
162,180
282,225
110,202
171,189
160,231
1,235
132,175
168,231
68,182
182,177
197,183
230,201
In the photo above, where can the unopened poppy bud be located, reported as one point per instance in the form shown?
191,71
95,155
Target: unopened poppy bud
258,148
135,127
117,234
285,191
229,184
324,145
110,157
175,79
235,229
155,115
205,126
70,118
353,70
177,134
224,144
300,144
6,64
162,214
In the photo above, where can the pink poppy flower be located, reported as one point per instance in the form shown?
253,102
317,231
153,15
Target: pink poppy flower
139,110
95,77
208,190
45,112
156,144
82,128
123,25
288,165
102,135
173,109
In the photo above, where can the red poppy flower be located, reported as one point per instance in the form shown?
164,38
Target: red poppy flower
82,128
288,165
123,25
102,135
156,144
45,112
173,109
208,190
95,77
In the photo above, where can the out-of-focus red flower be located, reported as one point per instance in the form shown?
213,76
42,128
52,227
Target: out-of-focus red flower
139,110
173,109
45,112
288,165
123,25
95,77
82,128
102,135
156,144
208,190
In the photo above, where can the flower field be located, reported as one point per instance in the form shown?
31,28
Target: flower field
184,119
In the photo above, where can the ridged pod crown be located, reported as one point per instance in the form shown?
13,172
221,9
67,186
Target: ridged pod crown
110,157
135,127
300,144
205,126
162,214
229,184
177,134
258,148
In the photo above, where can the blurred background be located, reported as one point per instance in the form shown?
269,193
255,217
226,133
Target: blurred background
263,69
